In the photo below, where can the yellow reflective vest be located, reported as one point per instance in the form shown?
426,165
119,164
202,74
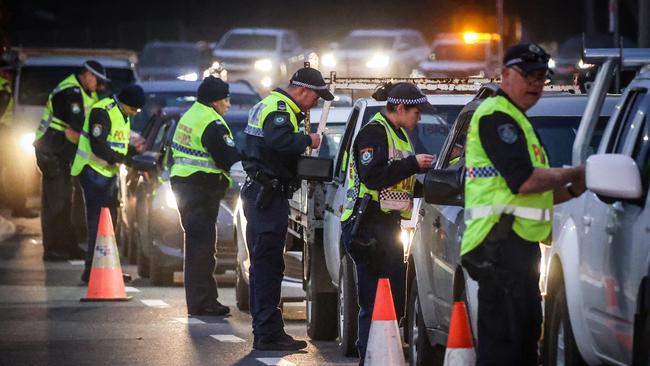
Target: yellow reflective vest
7,118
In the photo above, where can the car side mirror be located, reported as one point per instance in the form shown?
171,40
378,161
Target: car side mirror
144,163
444,187
605,172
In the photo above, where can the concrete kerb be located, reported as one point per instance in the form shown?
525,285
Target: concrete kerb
7,229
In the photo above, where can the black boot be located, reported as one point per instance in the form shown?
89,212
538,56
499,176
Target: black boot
284,342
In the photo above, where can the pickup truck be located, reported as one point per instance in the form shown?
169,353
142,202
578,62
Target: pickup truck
598,285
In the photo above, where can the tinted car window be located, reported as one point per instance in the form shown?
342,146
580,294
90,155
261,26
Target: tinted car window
460,52
641,155
626,124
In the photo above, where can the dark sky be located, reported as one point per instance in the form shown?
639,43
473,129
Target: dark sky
78,23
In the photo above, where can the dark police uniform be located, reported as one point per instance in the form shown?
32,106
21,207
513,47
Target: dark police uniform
203,150
273,146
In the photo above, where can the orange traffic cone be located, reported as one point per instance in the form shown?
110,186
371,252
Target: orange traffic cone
460,347
384,342
106,282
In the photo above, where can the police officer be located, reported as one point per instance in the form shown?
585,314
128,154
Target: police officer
382,170
103,145
55,146
14,181
273,146
509,195
203,150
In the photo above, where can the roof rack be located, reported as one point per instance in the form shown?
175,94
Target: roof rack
632,57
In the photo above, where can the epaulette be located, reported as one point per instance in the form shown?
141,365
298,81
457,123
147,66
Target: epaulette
110,106
282,106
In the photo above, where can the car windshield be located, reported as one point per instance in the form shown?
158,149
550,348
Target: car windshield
169,56
250,42
460,52
367,42
557,135
36,82
430,133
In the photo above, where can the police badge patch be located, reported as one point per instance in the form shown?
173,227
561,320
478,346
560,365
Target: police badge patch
228,140
97,129
366,155
279,120
508,133
76,109
282,106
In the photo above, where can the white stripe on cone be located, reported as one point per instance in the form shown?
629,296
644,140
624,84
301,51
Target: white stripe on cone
384,344
460,357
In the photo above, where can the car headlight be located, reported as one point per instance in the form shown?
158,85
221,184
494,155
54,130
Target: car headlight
582,65
192,76
26,141
264,64
551,63
378,61
405,238
329,60
170,199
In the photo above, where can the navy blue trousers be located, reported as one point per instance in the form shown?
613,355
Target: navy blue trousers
266,232
99,191
387,231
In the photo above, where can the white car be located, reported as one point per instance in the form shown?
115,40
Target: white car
460,55
376,53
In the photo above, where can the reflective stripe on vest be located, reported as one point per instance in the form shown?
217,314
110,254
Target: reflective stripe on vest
399,197
188,153
487,195
274,102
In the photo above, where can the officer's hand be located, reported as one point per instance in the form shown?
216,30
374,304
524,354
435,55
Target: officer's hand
72,135
315,140
579,182
137,141
425,161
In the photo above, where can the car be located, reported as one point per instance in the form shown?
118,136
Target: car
186,61
461,55
598,284
266,57
376,53
148,225
435,277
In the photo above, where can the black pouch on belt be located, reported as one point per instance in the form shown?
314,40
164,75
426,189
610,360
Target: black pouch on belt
483,259
268,188
362,245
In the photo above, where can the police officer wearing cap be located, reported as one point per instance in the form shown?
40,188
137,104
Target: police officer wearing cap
382,168
55,146
510,191
273,146
103,146
203,150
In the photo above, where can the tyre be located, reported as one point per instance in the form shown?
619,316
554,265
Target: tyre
241,290
321,306
560,346
348,308
159,274
420,350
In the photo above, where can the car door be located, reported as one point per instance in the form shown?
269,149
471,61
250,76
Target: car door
599,263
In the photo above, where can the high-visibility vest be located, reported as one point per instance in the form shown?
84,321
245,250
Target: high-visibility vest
398,197
118,139
487,195
188,153
48,120
8,117
274,102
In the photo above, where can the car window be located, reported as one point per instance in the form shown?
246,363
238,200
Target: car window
250,42
413,40
365,42
342,159
457,150
157,145
641,154
625,125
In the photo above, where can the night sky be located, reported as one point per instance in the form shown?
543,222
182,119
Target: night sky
76,23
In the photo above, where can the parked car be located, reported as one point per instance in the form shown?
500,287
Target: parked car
376,53
461,55
598,285
266,57
435,278
148,226
185,61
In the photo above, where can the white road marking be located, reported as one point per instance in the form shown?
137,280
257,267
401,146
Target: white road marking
131,289
230,338
274,361
155,303
189,321
76,262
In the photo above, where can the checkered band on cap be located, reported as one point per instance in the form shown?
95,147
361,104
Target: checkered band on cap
482,172
407,101
309,86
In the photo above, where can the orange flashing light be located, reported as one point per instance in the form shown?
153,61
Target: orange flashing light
473,37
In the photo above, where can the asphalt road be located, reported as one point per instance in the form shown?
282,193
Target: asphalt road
42,321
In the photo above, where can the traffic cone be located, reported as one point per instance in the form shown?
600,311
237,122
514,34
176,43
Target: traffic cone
460,347
106,282
384,342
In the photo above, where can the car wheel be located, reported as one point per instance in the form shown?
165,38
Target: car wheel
420,350
348,308
159,274
321,306
241,290
561,348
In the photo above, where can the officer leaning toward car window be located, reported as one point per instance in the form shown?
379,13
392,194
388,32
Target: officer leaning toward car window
103,145
382,172
203,151
510,191
273,146
56,142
